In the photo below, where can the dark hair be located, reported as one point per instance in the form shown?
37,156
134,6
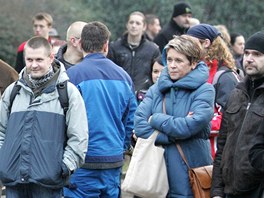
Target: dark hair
150,18
159,61
94,35
37,42
233,37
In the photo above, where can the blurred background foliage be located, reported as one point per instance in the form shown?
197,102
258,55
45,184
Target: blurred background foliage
241,16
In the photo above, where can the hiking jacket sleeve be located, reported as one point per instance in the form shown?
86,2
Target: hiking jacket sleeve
77,130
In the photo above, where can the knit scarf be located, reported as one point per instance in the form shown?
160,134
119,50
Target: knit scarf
38,82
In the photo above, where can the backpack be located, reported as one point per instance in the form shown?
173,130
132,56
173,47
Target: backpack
63,95
219,73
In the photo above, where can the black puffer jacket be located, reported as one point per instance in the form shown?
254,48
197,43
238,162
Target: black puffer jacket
166,34
135,61
243,115
60,57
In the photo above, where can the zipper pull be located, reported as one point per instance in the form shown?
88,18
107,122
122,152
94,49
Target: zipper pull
248,105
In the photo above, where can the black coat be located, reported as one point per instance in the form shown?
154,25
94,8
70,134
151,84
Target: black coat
242,117
135,61
60,57
167,32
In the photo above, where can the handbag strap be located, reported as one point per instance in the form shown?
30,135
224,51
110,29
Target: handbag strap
182,155
177,145
164,105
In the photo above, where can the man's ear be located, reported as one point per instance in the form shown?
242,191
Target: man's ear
52,56
206,43
106,47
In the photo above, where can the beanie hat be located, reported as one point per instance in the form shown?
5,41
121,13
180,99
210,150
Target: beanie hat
204,31
256,42
181,8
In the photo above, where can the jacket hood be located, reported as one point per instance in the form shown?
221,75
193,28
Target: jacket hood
61,51
191,81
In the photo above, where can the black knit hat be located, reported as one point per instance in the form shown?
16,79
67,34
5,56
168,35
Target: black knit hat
256,42
181,8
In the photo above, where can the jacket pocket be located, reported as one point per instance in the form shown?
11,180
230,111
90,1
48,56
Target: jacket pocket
47,162
258,111
10,163
233,113
233,109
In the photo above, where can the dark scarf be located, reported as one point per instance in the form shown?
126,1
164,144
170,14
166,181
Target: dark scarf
38,82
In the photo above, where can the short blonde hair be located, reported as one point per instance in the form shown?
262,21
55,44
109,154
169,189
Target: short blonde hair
187,46
75,29
43,16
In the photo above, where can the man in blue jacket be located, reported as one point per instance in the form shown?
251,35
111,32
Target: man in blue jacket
110,102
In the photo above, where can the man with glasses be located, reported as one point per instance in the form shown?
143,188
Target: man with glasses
71,53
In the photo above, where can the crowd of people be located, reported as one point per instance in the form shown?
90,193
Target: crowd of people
71,109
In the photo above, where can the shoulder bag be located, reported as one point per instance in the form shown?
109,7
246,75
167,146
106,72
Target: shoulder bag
200,178
147,174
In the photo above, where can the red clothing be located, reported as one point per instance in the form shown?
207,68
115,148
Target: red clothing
217,119
20,63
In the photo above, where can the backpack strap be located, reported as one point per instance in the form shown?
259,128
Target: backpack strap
219,73
13,94
63,96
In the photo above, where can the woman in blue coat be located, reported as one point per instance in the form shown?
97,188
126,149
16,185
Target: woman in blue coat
189,106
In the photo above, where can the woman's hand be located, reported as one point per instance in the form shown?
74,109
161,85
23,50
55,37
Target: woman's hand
190,114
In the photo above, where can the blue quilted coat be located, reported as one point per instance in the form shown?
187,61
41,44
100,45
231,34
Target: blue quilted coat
193,94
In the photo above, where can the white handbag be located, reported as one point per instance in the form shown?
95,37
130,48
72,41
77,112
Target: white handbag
147,174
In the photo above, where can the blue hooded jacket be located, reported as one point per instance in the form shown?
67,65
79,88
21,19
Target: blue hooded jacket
193,94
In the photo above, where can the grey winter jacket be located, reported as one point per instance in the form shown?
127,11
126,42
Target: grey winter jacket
35,144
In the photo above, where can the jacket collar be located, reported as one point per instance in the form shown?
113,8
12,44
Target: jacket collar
191,81
125,42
